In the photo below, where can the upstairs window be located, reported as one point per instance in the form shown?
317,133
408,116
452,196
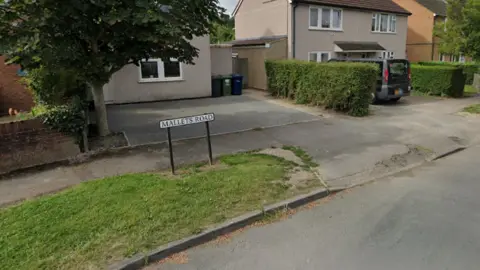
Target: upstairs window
384,23
323,18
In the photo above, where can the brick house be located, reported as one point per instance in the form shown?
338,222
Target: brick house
12,93
422,45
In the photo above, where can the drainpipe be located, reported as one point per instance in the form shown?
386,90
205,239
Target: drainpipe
433,37
294,6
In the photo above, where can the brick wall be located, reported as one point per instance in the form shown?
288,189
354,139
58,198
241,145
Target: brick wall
12,93
28,143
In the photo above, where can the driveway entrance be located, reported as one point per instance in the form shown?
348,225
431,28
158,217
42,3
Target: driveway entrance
140,122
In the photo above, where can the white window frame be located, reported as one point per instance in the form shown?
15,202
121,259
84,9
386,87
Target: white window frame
319,18
319,56
388,55
378,23
161,72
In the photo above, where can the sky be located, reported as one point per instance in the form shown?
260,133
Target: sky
228,4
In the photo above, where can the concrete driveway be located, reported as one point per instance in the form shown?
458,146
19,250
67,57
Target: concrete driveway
140,122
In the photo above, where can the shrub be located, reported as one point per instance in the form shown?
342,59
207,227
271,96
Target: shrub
54,88
438,80
469,69
61,101
345,87
68,118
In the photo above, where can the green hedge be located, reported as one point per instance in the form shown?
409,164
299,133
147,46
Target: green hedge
469,69
438,80
345,87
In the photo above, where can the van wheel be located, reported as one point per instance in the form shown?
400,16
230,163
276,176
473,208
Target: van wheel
395,99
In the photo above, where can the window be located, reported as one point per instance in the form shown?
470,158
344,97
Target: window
155,70
337,19
325,18
393,24
319,56
388,55
384,23
313,17
399,68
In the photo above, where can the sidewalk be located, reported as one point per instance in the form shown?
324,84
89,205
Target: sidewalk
348,150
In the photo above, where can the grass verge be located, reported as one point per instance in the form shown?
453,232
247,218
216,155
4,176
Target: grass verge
304,156
419,94
97,223
470,91
475,109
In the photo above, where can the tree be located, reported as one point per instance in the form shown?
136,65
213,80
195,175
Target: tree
471,29
223,31
461,32
96,38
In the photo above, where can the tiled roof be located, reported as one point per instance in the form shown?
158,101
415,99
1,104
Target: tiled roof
375,5
438,7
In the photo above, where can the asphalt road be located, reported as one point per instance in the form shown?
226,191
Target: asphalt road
428,218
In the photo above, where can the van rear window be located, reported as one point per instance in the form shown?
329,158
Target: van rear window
398,68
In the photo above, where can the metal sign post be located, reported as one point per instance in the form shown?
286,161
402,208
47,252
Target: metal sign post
184,121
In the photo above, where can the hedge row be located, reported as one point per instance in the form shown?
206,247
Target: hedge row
438,80
469,69
345,87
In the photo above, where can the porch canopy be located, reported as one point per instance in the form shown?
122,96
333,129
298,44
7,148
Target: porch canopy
354,46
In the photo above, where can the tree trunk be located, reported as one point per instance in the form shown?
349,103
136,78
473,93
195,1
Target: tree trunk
100,109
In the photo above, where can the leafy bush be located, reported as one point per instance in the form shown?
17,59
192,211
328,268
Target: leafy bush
68,118
345,87
438,80
61,100
469,69
54,88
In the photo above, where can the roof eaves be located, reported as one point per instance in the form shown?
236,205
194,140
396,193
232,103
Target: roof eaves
347,6
237,6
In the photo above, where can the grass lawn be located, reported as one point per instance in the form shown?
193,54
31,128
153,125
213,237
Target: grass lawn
475,109
470,91
304,156
100,222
